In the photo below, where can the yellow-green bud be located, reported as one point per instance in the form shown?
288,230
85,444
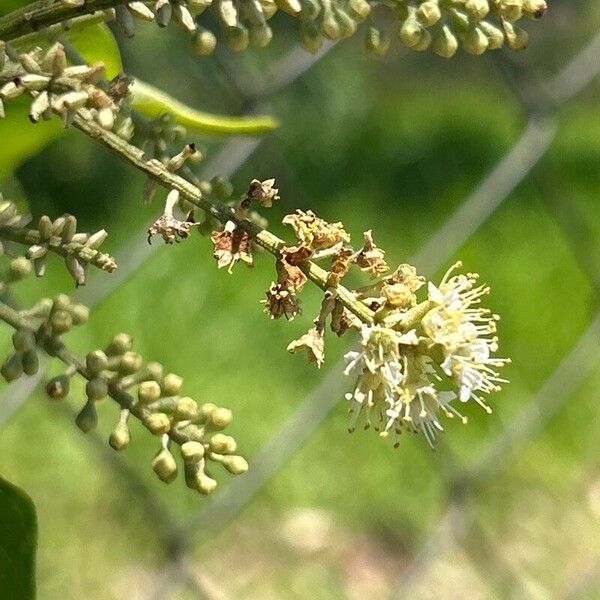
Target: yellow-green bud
119,436
494,35
510,9
235,464
260,35
206,410
204,42
61,321
330,26
155,370
376,41
23,339
80,313
223,444
13,367
19,269
87,419
221,417
31,362
359,10
535,9
171,384
187,408
121,343
475,41
96,362
96,388
131,362
412,33
58,387
292,7
192,451
148,391
477,9
237,37
516,38
61,302
429,13
205,484
158,423
69,228
164,466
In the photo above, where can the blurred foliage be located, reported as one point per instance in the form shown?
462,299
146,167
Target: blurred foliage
393,145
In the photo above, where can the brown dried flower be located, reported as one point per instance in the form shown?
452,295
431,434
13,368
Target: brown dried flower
314,232
281,301
232,245
168,226
370,258
312,341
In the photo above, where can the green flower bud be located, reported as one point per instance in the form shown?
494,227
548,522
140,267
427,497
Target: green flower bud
186,409
412,33
330,26
69,228
429,13
223,444
121,343
171,384
494,35
61,302
237,37
155,371
260,35
131,362
96,388
192,451
204,42
291,7
23,339
509,9
13,367
148,391
516,38
221,417
80,313
58,387
119,436
31,362
535,9
376,42
87,419
477,9
205,411
235,464
475,42
310,36
61,321
205,484
158,423
359,10
19,269
96,362
164,466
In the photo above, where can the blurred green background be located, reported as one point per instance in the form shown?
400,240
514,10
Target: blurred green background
395,145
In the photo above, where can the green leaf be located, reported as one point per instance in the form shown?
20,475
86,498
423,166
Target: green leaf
18,541
153,102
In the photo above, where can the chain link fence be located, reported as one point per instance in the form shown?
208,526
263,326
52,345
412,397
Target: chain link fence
459,525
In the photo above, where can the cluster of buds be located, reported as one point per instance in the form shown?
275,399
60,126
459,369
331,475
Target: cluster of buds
46,322
473,25
442,25
59,237
55,86
153,396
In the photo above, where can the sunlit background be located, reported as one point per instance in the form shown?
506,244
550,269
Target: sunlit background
494,160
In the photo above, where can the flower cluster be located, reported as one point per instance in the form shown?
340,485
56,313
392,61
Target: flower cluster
421,356
59,237
57,87
442,25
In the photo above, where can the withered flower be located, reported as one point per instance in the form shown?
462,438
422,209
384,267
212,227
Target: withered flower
168,226
232,245
314,232
370,258
312,341
281,301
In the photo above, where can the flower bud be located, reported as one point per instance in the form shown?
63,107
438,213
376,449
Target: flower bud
23,339
164,466
376,42
131,362
192,451
475,41
158,423
291,7
96,362
223,444
87,419
235,464
204,42
260,35
171,384
535,9
96,388
121,343
19,269
494,35
61,302
80,313
140,10
477,9
164,12
205,484
61,321
221,417
120,436
429,13
186,409
13,367
155,371
237,37
411,33
31,362
148,391
184,17
58,387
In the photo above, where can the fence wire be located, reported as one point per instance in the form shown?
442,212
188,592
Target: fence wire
458,524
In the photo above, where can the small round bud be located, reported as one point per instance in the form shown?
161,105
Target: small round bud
19,269
235,464
80,313
121,343
13,367
158,423
429,13
171,384
61,321
119,436
131,362
187,408
164,466
87,419
96,388
61,302
204,42
96,362
192,451
475,41
31,362
23,339
155,370
148,391
223,444
207,409
205,484
221,417
58,387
